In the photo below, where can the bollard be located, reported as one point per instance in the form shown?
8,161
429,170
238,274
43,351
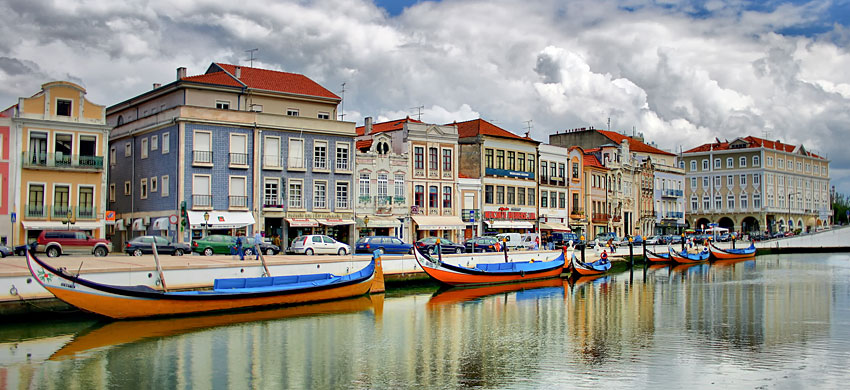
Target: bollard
683,242
439,251
631,253
584,245
505,245
645,259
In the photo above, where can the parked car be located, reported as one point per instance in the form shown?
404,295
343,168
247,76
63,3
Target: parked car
21,250
725,237
266,247
513,240
604,237
5,251
214,244
144,245
59,242
482,244
447,246
318,244
388,244
655,240
674,239
563,238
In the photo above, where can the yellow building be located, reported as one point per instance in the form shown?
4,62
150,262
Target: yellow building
57,170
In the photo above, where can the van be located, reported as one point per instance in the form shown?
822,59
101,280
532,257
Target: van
514,240
530,240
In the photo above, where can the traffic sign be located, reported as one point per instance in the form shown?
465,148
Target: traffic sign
172,219
14,217
110,215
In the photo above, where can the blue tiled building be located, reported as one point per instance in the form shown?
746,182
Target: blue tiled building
239,149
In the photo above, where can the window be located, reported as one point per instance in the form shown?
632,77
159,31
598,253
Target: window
704,165
500,195
112,192
85,202
320,195
743,162
800,166
447,160
165,186
127,188
112,156
520,161
239,149
296,154
296,190
271,193
780,163
488,158
419,196
201,195
705,182
222,104
500,159
717,181
154,184
154,142
63,107
756,161
364,185
488,194
770,164
743,181
531,163
756,201
730,202
128,149
531,196
718,202
144,147
562,170
238,192
292,112
756,179
544,198
693,184
716,163
730,163
271,152
744,201
398,183
575,171
202,147
143,189
433,196
706,203
562,200
694,203
166,142
511,195
342,195
544,169
433,162
382,185
320,155
553,170
447,198
324,115
418,157
693,165
553,199
511,161
520,196
729,181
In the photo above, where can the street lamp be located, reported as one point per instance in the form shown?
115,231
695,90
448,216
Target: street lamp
206,222
69,219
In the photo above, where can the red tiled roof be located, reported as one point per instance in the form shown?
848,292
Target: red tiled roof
480,126
590,160
363,144
393,125
753,142
256,78
634,144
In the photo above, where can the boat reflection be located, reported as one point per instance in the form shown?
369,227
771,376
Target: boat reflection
453,295
123,332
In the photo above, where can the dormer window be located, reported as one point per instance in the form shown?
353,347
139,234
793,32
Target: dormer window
63,107
292,112
383,148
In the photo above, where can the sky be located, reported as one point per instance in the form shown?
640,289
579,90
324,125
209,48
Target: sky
681,73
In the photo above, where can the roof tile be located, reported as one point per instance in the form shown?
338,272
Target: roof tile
256,78
635,145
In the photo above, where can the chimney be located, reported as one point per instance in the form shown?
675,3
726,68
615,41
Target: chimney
367,128
156,85
181,72
238,72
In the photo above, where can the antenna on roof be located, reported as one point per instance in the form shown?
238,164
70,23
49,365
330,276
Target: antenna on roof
342,103
528,127
419,110
765,133
251,57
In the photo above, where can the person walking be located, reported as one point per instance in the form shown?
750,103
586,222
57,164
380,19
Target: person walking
258,239
239,249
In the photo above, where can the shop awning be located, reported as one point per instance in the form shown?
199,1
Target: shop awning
379,222
554,226
161,223
510,224
438,223
120,225
58,225
139,225
302,222
221,219
335,222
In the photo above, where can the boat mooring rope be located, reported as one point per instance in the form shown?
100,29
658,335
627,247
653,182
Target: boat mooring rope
14,291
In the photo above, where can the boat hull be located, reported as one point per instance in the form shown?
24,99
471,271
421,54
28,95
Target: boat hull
586,270
721,254
460,276
653,257
690,259
118,303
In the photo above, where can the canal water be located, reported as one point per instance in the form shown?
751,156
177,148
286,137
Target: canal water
774,322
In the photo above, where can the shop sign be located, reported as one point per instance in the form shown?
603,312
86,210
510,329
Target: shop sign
309,215
509,215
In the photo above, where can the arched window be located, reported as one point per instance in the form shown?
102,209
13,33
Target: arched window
120,120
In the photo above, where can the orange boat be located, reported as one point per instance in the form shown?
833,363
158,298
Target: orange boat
689,258
489,273
653,257
597,267
227,294
462,294
732,254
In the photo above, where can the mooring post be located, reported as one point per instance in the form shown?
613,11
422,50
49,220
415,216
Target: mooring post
631,252
683,242
645,259
583,245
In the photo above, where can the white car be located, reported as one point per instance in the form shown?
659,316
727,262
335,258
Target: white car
318,244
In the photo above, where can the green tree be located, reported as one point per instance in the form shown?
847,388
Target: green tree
840,205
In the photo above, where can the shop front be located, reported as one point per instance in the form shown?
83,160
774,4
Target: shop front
438,226
205,223
509,220
339,226
374,225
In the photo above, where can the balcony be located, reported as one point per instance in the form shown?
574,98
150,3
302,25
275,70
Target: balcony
203,157
237,201
202,201
320,163
674,215
86,212
383,205
553,181
669,193
616,218
600,217
576,214
398,199
270,201
239,159
61,161
60,212
468,215
35,211
364,199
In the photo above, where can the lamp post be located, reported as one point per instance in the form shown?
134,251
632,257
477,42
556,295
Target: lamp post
366,224
69,219
206,222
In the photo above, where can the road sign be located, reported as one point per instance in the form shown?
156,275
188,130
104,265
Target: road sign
110,216
172,219
14,217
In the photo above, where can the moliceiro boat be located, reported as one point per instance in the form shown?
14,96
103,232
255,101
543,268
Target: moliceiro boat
227,294
685,257
488,273
654,257
732,254
597,267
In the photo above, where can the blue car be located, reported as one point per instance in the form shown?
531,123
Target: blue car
386,243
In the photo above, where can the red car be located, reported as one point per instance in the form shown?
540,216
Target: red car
59,242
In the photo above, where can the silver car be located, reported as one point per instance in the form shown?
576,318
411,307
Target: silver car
318,244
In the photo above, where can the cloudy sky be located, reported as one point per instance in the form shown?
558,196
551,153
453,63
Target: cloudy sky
680,72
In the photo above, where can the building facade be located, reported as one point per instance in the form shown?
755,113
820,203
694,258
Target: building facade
506,164
235,149
669,199
595,196
754,185
554,188
382,175
6,209
57,181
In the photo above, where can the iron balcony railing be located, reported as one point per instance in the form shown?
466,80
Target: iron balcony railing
238,201
202,156
201,200
272,161
85,212
61,160
35,211
60,212
600,217
671,193
272,201
238,158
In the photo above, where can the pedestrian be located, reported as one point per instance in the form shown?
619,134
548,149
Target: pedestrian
239,248
258,239
276,240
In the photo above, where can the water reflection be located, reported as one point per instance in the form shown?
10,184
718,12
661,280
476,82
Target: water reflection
770,321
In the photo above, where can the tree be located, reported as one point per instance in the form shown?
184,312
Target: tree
840,205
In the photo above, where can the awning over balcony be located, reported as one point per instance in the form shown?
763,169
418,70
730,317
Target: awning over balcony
379,222
554,226
221,219
438,223
335,222
58,225
510,224
302,222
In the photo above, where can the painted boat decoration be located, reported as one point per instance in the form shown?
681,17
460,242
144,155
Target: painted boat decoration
687,258
489,273
124,332
227,294
597,267
453,295
654,257
732,254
